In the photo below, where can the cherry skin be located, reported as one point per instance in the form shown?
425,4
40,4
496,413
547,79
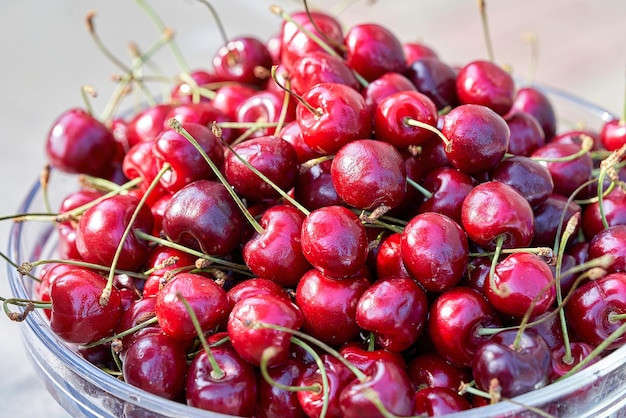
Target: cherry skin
449,187
390,116
264,106
456,315
314,187
531,179
207,299
203,216
495,209
250,340
549,215
566,175
417,50
233,393
334,241
140,162
79,143
291,133
610,241
614,206
395,310
613,134
519,369
435,79
373,50
156,363
329,306
229,97
273,401
579,352
389,261
478,138
320,67
140,311
101,227
526,133
534,101
183,92
435,251
430,370
368,174
521,282
485,83
434,402
340,116
255,286
77,315
362,356
383,86
276,254
239,58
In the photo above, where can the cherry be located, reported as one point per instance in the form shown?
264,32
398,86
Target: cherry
101,228
435,79
156,363
291,133
449,187
186,162
456,316
487,84
478,138
388,382
272,400
79,143
185,91
531,179
522,282
276,254
389,261
433,155
383,86
373,50
203,216
335,115
579,352
320,67
239,58
614,209
334,241
77,316
532,100
255,286
202,113
270,155
146,125
613,134
392,112
314,187
368,174
434,402
526,133
395,310
416,50
264,106
207,299
519,363
430,370
140,162
363,357
552,216
566,175
48,275
610,241
329,306
435,251
232,392
250,338
229,96
139,311
494,209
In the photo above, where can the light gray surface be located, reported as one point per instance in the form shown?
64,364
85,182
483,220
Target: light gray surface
46,55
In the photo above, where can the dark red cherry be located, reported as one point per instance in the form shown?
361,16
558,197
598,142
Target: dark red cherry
314,187
207,300
265,106
435,79
531,179
537,103
417,50
101,228
274,401
334,241
430,370
610,241
395,311
228,98
320,67
203,216
435,251
202,113
449,187
566,175
456,316
234,392
495,209
255,286
487,84
551,217
373,50
157,364
77,315
519,368
389,261
79,143
478,138
362,356
579,352
368,174
329,306
434,402
270,155
526,132
614,208
291,133
239,58
338,376
276,254
340,116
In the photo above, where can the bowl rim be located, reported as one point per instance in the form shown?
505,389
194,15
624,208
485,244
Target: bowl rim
38,325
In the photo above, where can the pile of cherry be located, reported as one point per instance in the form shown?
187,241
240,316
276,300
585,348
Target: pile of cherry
335,223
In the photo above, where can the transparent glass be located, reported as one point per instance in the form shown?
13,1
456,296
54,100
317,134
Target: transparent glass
85,391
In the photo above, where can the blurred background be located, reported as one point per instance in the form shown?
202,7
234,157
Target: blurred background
46,55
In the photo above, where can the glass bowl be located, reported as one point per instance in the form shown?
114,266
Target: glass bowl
86,391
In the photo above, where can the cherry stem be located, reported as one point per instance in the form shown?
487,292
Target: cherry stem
247,125
503,291
144,324
285,106
216,371
27,267
465,388
161,26
178,127
585,147
239,268
323,374
86,93
14,264
262,176
277,10
106,292
218,21
28,305
91,28
427,194
607,168
44,181
267,355
544,252
418,124
327,40
317,112
531,39
485,22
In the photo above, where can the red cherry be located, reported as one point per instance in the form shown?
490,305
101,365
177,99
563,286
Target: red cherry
389,261
77,316
435,79
383,86
274,401
526,133
363,357
183,92
485,83
535,102
531,179
146,125
449,187
264,106
415,50
320,67
610,241
239,58
291,133
613,134
614,207
256,286
430,370
314,187
566,175
551,215
435,402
